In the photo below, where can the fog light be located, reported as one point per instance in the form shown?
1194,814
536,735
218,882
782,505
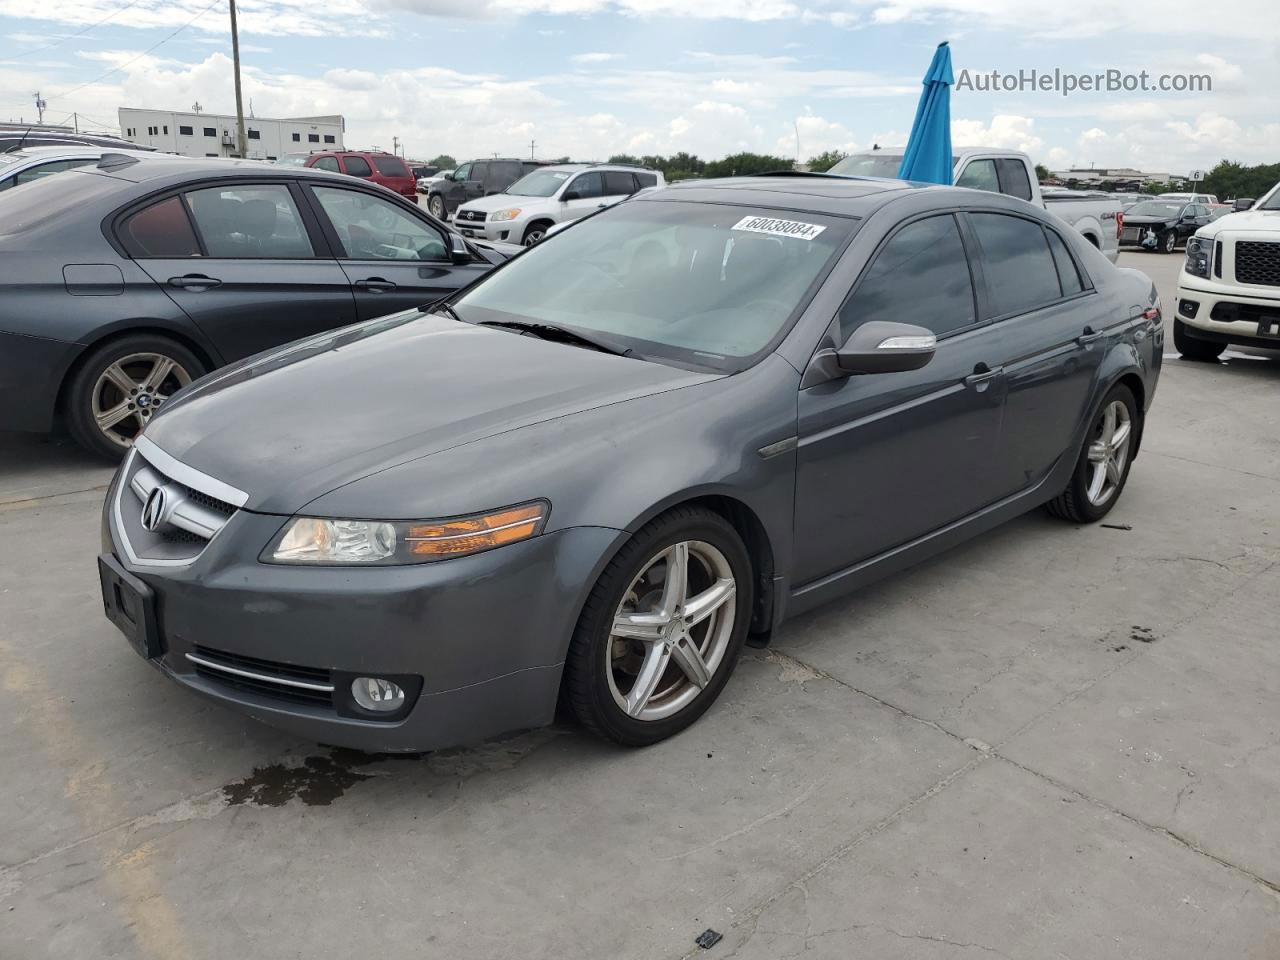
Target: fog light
1189,308
373,693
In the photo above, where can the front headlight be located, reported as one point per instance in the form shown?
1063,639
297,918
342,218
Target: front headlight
509,214
322,541
1199,257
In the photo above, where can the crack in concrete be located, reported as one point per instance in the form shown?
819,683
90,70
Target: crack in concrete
1215,466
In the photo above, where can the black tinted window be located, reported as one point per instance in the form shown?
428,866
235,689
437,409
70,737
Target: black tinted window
357,166
258,222
980,175
479,171
618,184
920,276
587,185
1067,272
1013,178
161,230
213,132
184,131
390,166
1019,270
647,179
503,174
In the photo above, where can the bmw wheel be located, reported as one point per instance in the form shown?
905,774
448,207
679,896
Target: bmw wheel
114,393
662,629
1102,468
436,205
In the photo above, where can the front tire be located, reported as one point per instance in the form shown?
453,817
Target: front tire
1193,348
1169,242
534,233
435,204
662,629
113,394
1102,468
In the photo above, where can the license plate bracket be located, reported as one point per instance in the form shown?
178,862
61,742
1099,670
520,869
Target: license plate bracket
131,605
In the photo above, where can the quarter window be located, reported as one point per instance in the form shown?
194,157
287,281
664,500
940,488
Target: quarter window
1013,178
370,228
258,222
1068,275
920,276
1019,270
980,175
160,230
646,180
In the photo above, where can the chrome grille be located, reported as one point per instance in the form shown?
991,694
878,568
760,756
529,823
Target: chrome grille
165,512
283,681
1258,261
473,216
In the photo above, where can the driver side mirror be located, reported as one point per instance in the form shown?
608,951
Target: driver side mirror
1242,203
458,252
570,195
875,347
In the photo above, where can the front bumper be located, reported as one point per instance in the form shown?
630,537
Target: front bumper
487,634
1223,314
505,231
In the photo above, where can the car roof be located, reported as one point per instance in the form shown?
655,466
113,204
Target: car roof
150,168
820,193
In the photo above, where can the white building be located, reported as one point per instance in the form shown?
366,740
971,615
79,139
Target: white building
214,135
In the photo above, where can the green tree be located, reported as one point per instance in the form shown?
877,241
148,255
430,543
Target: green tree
825,160
444,162
624,158
745,164
1232,179
1042,172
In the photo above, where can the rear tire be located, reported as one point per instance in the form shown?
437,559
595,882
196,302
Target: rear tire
110,398
605,670
1193,348
1102,466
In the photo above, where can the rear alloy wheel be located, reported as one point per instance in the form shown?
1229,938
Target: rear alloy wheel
1192,347
116,391
662,629
1103,465
436,205
1169,242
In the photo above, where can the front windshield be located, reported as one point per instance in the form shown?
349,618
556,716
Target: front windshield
540,183
1272,202
1154,208
701,285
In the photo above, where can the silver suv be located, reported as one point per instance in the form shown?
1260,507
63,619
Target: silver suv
549,195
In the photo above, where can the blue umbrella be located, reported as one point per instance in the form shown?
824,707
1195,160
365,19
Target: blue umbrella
928,154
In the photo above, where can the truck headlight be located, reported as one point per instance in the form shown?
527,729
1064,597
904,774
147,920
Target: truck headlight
317,540
509,214
1199,257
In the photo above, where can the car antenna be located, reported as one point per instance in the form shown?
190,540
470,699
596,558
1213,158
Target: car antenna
113,161
18,146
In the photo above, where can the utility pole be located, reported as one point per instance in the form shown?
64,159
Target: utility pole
242,141
395,145
40,105
75,120
196,108
532,144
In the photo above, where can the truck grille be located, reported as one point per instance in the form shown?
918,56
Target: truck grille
1258,261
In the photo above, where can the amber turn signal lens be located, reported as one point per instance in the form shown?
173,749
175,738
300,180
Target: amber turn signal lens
449,538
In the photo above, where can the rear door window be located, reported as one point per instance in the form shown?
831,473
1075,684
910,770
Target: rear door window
390,166
647,180
619,183
479,171
1013,178
1017,265
251,222
357,166
327,163
1068,274
160,230
920,276
980,175
503,174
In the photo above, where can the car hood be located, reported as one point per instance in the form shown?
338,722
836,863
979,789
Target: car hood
290,425
1260,221
500,201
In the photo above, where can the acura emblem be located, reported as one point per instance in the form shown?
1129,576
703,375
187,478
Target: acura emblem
154,511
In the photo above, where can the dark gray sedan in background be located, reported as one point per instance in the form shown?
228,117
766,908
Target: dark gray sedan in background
125,280
590,476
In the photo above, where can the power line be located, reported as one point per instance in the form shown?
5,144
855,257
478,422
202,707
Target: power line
79,33
117,69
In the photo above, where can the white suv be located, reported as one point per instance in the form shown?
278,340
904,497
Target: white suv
549,195
1229,288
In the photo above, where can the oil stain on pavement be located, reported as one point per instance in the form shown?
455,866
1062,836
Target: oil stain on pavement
317,781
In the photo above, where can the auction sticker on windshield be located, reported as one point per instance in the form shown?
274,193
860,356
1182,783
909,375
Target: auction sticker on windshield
779,228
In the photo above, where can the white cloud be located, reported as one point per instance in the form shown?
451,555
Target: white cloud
1004,130
591,58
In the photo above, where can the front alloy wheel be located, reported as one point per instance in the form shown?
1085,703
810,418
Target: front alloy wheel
662,629
1170,242
436,206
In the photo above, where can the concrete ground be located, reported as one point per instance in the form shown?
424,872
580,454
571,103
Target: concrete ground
1055,741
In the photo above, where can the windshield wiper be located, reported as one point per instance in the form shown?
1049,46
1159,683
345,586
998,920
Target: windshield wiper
549,331
441,306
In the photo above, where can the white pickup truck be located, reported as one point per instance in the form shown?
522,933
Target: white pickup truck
1096,215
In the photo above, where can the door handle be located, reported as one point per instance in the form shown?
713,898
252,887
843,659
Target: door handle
194,281
601,206
374,285
982,376
1089,336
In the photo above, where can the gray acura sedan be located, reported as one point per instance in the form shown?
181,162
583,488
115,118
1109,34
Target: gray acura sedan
589,476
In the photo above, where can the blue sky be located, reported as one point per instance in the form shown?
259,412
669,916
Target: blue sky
589,78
